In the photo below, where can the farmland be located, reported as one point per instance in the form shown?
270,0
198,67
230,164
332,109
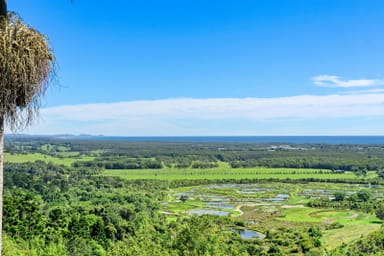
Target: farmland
238,173
66,159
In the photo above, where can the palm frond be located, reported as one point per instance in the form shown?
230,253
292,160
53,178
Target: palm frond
27,66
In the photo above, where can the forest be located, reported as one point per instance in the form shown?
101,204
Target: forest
86,197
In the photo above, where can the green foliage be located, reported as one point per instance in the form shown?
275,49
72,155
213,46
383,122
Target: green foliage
23,214
340,196
380,212
362,200
183,198
380,173
47,204
52,209
363,196
373,244
90,215
358,159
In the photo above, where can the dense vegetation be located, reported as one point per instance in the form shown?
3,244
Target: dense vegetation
62,204
55,210
153,155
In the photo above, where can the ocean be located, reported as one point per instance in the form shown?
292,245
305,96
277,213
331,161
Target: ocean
240,139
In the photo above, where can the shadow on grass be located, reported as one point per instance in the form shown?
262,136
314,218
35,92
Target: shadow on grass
376,222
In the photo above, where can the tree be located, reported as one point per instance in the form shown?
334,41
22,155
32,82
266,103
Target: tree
380,173
380,212
26,69
339,196
183,198
364,196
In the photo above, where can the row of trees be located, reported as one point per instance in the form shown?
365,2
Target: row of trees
311,163
120,163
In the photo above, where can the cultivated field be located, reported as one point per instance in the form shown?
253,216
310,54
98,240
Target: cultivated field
65,158
234,173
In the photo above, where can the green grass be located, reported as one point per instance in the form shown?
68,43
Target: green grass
304,214
177,207
67,154
345,217
294,200
355,223
336,237
32,157
229,173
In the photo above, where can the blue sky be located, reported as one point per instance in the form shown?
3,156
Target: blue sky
201,67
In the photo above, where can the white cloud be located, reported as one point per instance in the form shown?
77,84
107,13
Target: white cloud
216,116
218,108
368,91
336,81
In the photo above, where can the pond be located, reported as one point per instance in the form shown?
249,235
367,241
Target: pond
228,185
212,197
247,234
278,198
220,205
207,211
252,190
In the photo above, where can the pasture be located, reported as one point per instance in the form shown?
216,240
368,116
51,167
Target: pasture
67,159
234,173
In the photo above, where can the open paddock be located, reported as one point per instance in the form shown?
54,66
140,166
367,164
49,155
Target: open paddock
233,173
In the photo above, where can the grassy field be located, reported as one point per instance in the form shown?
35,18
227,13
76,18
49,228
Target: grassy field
229,173
224,171
32,157
355,224
336,237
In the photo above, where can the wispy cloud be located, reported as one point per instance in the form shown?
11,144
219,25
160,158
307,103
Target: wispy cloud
308,106
337,81
368,91
189,116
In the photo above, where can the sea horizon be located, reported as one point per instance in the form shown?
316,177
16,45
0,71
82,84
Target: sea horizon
296,139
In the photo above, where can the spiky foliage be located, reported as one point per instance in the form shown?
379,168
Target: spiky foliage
27,66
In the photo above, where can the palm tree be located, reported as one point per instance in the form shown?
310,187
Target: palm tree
26,69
